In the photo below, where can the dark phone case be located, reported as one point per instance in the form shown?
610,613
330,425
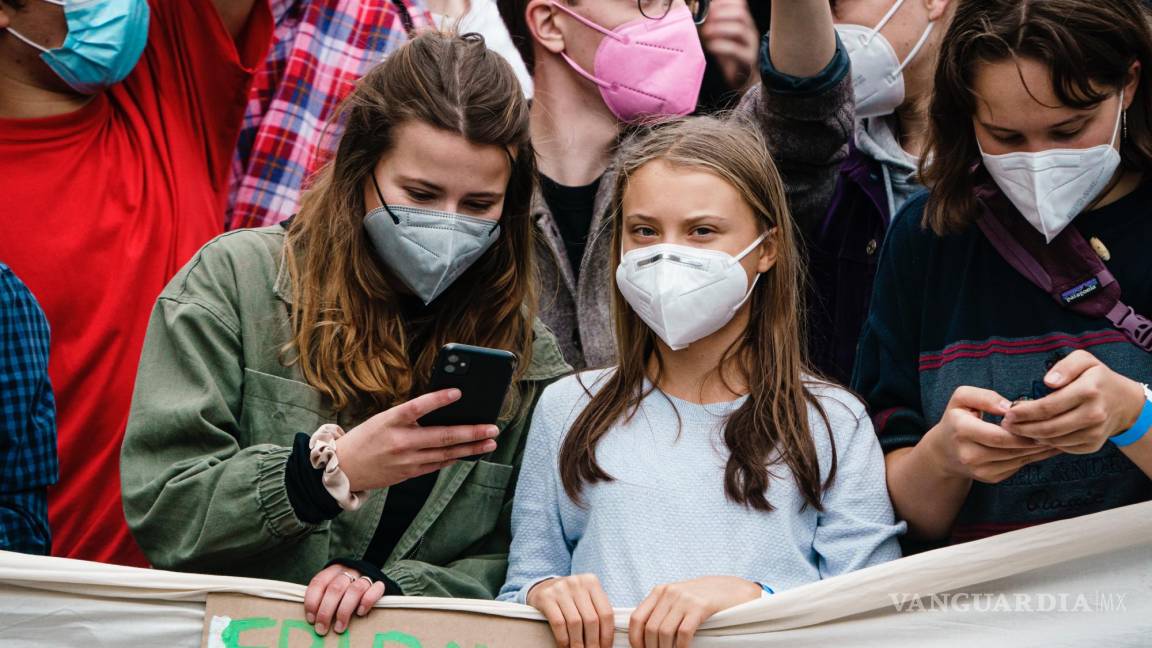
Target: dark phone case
483,386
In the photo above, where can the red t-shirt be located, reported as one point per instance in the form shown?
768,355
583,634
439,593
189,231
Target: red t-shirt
101,207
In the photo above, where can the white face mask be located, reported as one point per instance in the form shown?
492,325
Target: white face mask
1052,187
684,293
877,73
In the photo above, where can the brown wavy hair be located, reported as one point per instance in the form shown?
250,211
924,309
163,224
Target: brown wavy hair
771,427
348,333
1089,45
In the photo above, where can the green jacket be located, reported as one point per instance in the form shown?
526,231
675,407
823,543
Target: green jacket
213,419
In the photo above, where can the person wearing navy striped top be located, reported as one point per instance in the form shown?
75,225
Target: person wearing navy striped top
997,407
27,420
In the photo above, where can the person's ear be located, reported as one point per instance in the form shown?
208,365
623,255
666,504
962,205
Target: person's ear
1132,84
541,18
937,8
769,248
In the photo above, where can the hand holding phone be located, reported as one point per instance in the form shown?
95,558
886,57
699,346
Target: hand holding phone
392,446
483,377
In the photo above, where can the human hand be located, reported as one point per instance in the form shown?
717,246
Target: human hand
577,609
729,34
671,614
335,593
392,447
1090,404
963,444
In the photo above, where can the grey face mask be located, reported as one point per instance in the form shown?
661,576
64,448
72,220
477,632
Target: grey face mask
427,249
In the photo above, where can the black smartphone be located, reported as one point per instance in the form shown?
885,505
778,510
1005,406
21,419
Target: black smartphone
483,377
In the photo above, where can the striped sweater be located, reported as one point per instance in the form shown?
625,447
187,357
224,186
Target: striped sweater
948,312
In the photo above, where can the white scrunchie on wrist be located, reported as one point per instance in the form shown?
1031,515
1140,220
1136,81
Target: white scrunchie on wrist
323,455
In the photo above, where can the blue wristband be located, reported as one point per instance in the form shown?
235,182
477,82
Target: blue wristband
1136,432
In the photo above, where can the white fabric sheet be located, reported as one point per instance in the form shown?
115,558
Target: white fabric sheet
1085,581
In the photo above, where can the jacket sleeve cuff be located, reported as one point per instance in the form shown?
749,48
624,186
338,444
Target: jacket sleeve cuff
898,428
391,587
272,496
777,82
404,580
304,484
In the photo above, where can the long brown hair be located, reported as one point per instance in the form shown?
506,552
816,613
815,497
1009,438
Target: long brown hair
349,335
1089,45
772,425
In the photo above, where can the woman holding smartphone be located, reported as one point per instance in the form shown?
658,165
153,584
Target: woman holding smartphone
271,342
709,467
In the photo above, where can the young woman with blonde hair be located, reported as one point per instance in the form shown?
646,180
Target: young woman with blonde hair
709,466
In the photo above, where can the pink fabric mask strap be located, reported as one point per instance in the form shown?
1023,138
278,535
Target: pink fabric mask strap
591,25
579,70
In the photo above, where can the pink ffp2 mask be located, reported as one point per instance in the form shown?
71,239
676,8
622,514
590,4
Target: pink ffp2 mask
646,68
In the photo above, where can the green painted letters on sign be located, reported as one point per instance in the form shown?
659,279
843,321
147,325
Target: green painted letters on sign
231,634
296,624
395,637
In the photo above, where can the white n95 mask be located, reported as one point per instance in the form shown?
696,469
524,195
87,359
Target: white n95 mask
684,293
877,73
1051,188
426,249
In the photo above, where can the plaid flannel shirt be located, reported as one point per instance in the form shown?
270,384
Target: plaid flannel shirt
28,462
321,47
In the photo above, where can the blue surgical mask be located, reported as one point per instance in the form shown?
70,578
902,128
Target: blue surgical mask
105,40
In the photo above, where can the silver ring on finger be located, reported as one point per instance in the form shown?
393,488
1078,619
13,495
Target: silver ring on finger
368,579
351,578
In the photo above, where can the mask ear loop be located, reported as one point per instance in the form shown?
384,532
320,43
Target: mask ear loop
27,41
885,19
383,203
591,25
746,252
1123,125
915,50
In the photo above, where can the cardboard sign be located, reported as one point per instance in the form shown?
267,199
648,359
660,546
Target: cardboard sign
240,621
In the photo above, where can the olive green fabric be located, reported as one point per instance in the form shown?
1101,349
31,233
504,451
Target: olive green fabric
213,419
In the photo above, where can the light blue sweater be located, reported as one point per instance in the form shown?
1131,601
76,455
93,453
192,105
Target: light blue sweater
666,518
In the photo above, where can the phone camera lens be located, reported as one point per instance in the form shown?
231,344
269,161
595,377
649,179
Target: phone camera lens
450,369
453,359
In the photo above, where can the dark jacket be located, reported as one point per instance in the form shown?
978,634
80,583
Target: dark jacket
842,255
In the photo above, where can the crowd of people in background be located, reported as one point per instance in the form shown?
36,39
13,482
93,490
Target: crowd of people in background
848,278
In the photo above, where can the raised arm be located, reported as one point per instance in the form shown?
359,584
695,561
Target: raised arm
804,104
802,39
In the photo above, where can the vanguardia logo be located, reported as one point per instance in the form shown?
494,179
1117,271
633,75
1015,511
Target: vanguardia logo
1063,602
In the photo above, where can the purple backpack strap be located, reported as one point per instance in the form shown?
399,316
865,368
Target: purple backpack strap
1068,269
1137,327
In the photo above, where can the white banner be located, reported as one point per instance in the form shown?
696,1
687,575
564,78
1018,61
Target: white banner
1086,581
